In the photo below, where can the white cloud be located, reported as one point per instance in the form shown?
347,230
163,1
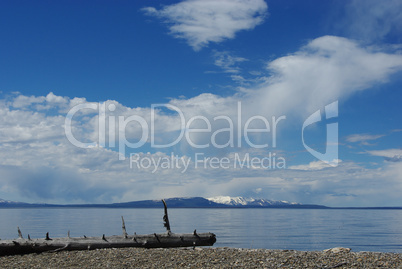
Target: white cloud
200,22
50,101
389,154
228,62
373,20
22,101
51,98
362,138
314,165
328,68
26,126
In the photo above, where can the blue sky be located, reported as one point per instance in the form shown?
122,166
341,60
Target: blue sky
218,68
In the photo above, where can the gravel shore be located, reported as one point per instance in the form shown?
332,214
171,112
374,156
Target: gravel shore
203,258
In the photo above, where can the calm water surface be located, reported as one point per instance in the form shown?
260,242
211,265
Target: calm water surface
299,229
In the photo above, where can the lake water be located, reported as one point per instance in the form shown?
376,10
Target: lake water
299,229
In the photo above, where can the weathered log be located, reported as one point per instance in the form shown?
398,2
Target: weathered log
165,240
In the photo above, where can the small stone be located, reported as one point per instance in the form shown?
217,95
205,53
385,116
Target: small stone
337,250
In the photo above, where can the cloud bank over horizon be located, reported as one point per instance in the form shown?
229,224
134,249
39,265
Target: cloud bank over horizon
40,164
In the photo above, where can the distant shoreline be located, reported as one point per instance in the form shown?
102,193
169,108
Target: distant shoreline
191,202
16,206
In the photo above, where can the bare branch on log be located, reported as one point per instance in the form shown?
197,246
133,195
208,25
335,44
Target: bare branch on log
19,233
104,238
124,228
166,218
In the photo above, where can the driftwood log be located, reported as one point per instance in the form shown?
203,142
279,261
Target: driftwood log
165,240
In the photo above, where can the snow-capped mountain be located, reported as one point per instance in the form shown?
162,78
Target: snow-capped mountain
242,201
9,203
6,202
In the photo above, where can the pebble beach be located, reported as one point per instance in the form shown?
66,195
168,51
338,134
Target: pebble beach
203,258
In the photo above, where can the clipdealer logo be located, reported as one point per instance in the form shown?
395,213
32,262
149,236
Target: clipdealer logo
238,127
237,131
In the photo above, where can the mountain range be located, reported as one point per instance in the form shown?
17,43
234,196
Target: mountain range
180,202
191,202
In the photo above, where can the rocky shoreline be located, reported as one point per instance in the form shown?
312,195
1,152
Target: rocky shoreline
204,258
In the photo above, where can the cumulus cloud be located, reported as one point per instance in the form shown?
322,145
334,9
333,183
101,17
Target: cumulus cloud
22,101
53,170
200,22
